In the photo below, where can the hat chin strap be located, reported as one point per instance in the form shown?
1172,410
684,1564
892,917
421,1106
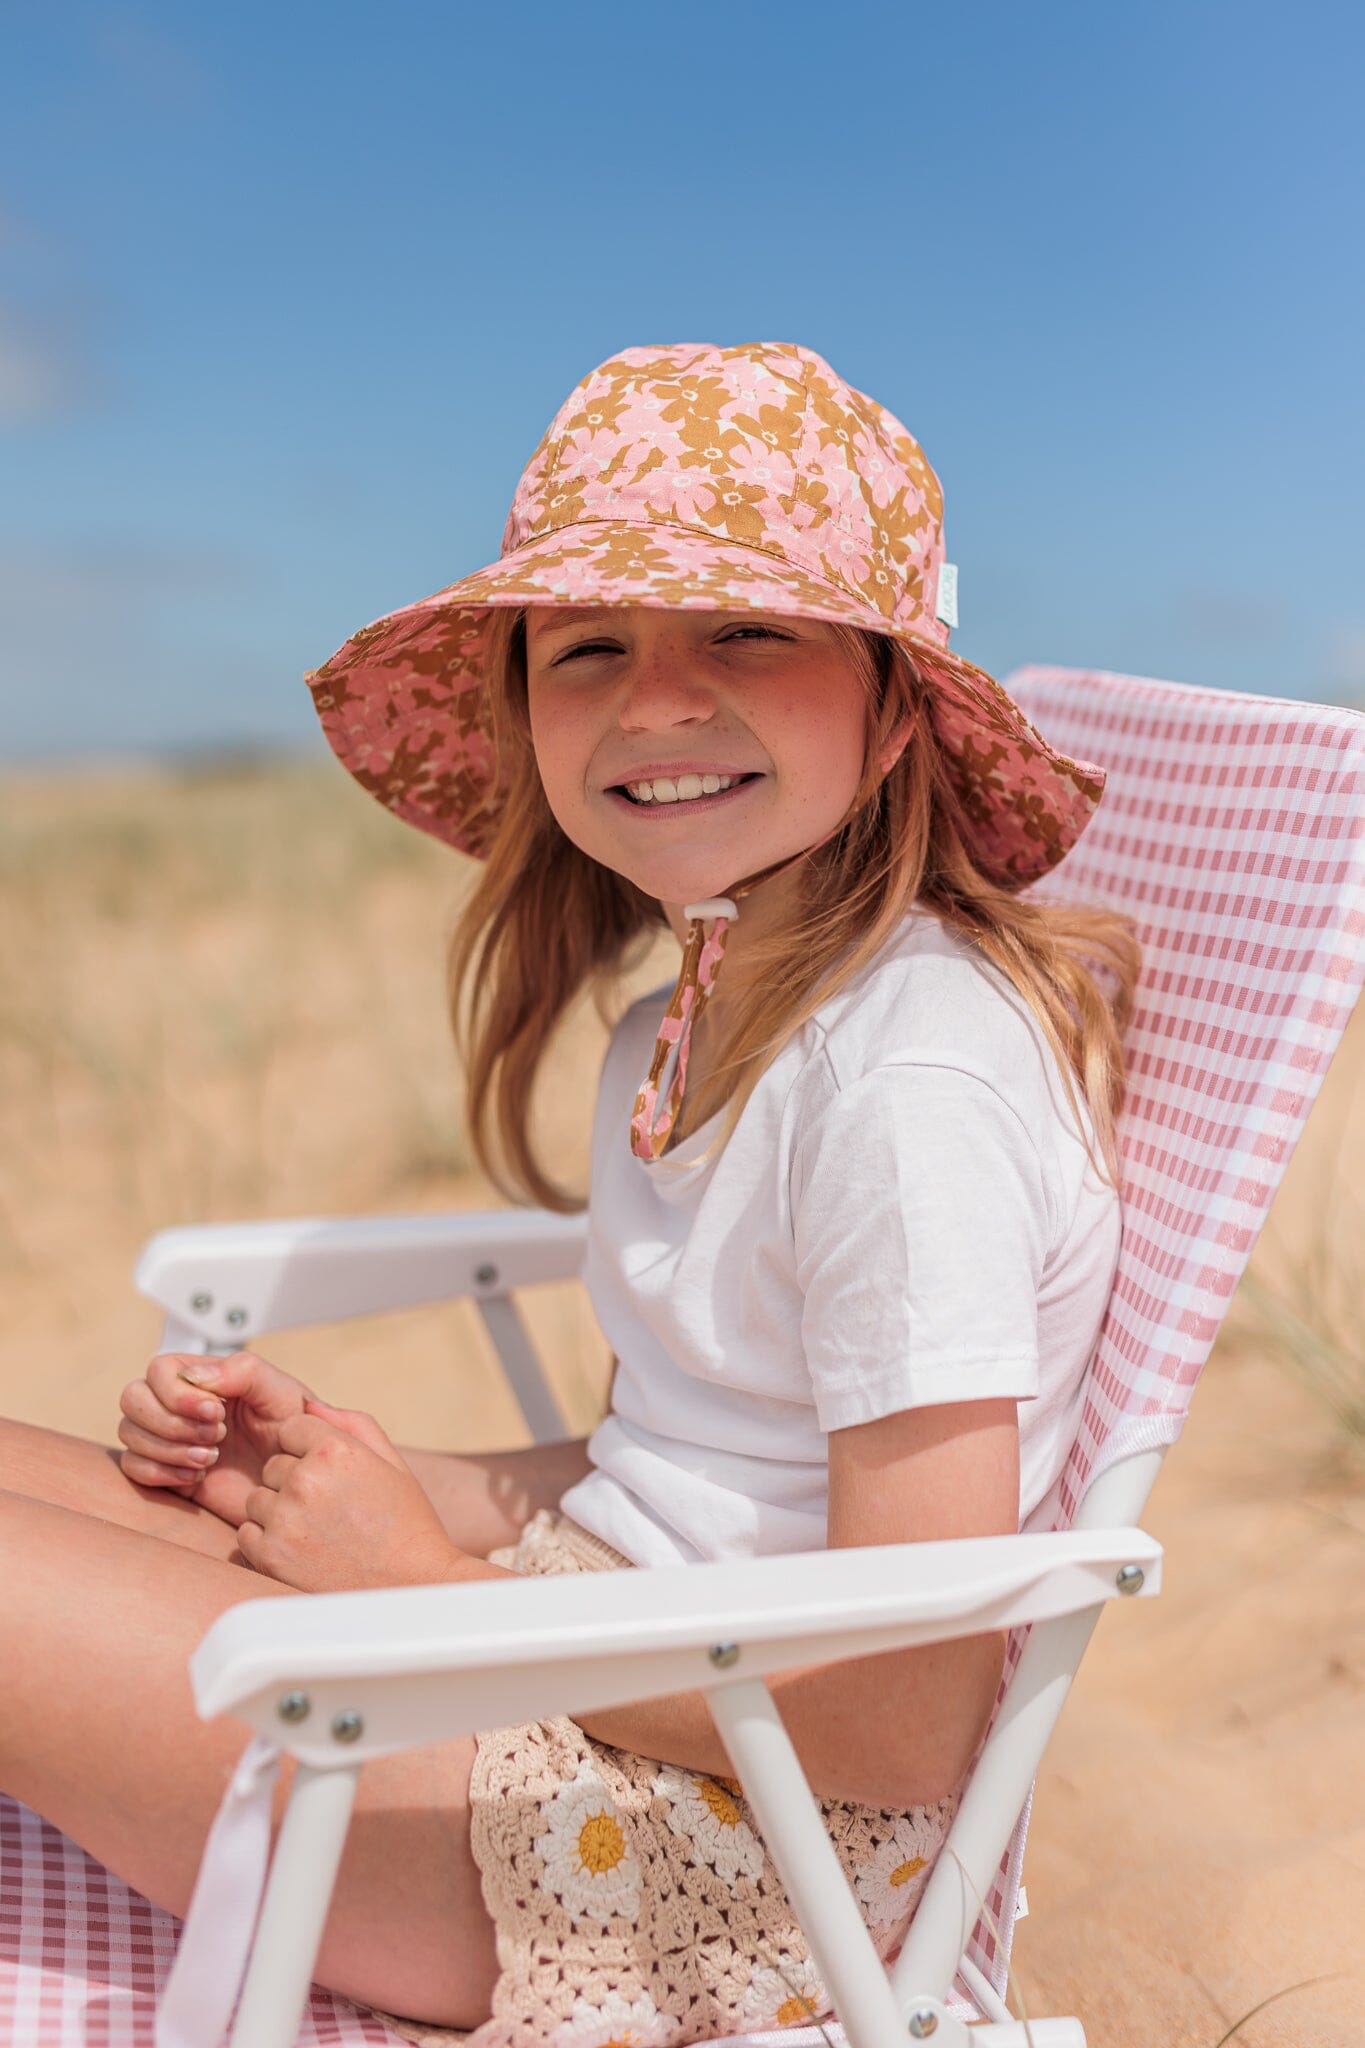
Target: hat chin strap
650,1128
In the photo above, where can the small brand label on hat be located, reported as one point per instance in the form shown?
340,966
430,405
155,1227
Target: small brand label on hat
946,608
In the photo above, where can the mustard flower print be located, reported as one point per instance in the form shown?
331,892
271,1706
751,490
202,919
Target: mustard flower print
780,427
735,511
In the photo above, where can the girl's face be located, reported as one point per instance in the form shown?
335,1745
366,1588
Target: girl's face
687,750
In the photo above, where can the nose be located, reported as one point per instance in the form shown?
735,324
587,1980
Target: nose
661,690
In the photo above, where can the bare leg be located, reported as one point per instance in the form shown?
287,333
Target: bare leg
42,1464
99,1734
484,1498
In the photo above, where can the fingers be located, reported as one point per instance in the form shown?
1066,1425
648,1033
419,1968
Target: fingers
304,1433
355,1423
170,1431
181,1457
260,1506
170,1394
144,1411
182,1378
275,1472
253,1543
155,1472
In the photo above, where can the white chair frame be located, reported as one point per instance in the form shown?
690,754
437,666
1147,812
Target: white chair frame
351,1676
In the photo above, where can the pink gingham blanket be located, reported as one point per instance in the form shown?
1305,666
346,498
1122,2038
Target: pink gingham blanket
83,1958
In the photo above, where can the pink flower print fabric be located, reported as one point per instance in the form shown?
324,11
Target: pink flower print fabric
702,955
705,478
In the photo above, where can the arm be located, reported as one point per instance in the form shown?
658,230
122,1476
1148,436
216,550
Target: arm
900,1729
339,1508
205,1427
486,1498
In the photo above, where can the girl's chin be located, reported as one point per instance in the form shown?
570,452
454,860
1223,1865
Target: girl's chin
679,891
684,881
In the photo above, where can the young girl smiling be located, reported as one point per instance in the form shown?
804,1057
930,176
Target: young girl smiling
851,1230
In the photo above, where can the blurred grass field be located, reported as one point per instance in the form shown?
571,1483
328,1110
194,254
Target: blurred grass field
224,998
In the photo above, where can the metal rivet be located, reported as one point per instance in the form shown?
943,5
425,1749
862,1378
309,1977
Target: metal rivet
923,2023
234,1318
347,1727
1129,1578
485,1276
294,1706
723,1655
201,1303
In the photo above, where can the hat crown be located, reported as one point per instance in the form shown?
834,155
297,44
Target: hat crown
764,446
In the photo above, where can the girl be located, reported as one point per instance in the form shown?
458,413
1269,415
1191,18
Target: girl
852,1222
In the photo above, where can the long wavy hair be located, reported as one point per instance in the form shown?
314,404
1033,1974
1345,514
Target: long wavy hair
547,923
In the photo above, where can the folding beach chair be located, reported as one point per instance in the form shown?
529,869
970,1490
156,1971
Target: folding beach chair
1233,830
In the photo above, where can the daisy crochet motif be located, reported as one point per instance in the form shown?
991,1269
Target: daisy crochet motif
589,1865
784,1996
707,1816
616,2021
890,1883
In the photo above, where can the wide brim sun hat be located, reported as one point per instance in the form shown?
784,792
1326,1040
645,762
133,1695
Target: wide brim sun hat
719,479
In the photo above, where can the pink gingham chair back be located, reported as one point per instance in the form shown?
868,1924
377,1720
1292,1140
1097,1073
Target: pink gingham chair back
1233,832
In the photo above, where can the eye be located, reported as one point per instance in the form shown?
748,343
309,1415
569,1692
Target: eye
584,647
761,632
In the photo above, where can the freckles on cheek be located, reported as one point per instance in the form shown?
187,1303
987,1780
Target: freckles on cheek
563,753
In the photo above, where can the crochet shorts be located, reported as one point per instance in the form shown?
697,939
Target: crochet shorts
634,1901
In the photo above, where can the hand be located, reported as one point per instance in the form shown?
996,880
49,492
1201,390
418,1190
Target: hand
338,1510
204,1427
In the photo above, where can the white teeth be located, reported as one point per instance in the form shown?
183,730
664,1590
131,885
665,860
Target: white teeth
664,790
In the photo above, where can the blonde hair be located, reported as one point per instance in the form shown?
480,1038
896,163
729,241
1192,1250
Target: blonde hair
546,922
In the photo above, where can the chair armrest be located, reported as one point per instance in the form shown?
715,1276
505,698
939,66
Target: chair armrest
221,1283
421,1664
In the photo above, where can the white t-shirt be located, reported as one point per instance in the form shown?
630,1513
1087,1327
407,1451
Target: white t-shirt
904,1215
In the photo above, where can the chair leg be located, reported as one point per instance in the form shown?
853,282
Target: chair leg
775,1786
302,1873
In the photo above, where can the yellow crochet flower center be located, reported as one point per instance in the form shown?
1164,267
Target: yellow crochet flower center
601,1845
720,1803
793,2009
903,1872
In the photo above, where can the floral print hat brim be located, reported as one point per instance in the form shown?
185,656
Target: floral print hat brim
719,479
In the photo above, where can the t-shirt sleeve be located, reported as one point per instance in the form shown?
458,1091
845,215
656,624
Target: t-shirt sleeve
921,1222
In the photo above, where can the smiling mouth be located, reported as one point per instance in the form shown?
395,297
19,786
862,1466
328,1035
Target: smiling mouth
665,792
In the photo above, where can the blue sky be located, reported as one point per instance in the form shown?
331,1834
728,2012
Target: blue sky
288,293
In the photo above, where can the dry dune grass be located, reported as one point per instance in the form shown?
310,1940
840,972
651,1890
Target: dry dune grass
224,998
